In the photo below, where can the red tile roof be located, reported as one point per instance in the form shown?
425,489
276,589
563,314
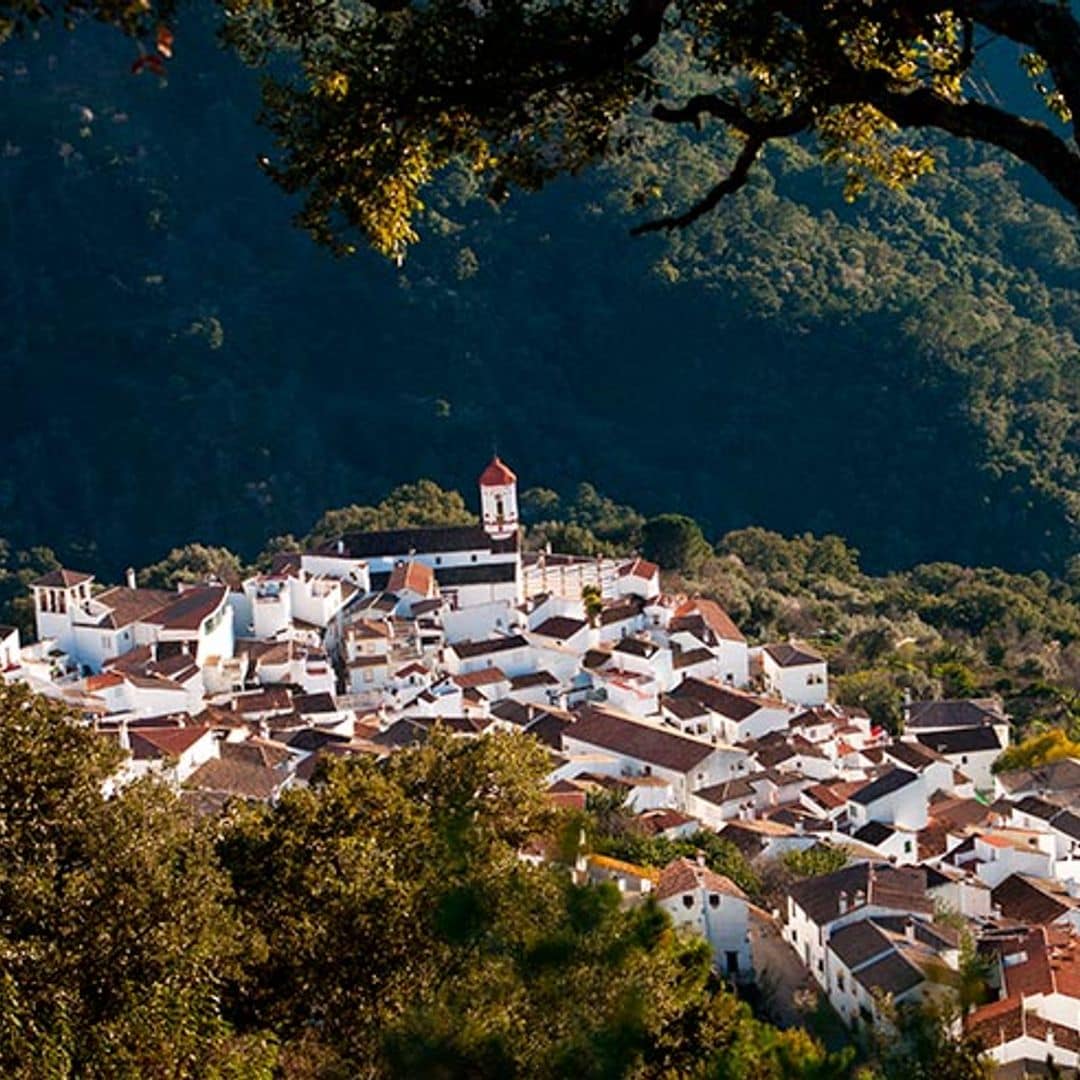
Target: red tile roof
414,576
684,875
497,474
155,743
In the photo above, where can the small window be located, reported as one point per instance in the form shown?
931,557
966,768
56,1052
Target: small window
438,560
714,900
688,900
907,847
821,965
473,558
840,982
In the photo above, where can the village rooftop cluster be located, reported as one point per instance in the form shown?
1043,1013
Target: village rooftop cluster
238,689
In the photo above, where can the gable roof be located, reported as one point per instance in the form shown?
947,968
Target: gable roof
859,942
126,606
424,541
789,654
902,888
711,614
892,974
639,568
411,575
61,579
635,646
684,875
1022,899
560,627
638,740
468,650
733,704
913,755
874,833
892,780
973,712
152,744
961,740
191,608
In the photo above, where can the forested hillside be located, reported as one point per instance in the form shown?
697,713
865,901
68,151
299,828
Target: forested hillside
184,365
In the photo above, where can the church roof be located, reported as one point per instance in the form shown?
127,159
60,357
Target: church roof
497,474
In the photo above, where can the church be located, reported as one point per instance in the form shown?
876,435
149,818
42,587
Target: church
473,564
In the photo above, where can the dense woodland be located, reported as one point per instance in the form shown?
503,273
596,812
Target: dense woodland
377,924
186,366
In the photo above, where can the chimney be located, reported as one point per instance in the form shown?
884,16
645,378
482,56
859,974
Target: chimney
909,929
700,857
860,898
341,547
129,576
125,739
842,904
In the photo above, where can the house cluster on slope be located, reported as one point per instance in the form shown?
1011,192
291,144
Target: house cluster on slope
238,689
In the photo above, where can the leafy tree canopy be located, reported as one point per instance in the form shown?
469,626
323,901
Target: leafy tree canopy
407,506
675,541
115,930
380,97
191,564
1042,748
387,94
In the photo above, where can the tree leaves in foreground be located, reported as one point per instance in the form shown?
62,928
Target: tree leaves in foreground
385,95
116,935
375,99
379,924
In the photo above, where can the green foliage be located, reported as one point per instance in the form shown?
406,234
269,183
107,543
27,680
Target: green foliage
721,855
1039,749
919,1043
815,861
115,926
593,600
674,541
875,691
17,570
192,564
407,506
948,315
393,94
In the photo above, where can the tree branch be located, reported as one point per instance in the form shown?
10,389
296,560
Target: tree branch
735,179
736,116
1027,140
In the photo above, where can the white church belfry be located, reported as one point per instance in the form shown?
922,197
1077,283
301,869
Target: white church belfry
498,500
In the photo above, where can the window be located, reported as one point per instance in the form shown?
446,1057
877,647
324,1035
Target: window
438,560
963,759
731,959
106,641
688,900
821,965
840,982
907,847
714,900
500,507
472,558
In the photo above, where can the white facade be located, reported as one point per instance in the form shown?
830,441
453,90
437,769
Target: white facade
718,915
805,684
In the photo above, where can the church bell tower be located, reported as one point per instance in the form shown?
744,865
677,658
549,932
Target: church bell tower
498,500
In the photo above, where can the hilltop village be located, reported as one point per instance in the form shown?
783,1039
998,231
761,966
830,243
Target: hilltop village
241,689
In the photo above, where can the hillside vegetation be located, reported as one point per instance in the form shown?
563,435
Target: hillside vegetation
186,366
